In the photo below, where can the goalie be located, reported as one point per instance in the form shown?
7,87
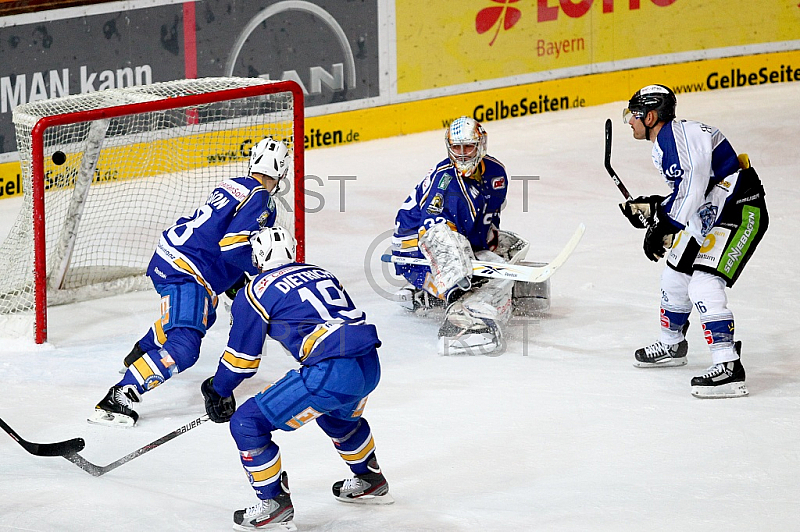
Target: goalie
452,217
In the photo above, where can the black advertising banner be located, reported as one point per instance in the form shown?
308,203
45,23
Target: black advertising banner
329,47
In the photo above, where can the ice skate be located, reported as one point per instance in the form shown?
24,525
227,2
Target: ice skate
417,300
722,380
115,408
470,329
661,355
268,514
367,488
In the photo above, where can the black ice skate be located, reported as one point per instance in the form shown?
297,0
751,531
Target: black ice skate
722,380
115,408
661,355
367,488
268,514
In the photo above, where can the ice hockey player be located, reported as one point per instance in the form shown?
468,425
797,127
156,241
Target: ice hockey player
709,225
197,259
452,217
307,310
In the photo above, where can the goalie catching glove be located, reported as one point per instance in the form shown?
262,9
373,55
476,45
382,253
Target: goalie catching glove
646,206
219,409
450,255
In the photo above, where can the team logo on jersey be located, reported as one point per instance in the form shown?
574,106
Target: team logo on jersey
444,182
436,205
473,192
708,216
498,182
152,381
674,171
262,220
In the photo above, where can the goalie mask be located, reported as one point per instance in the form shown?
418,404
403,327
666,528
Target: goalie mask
271,158
273,247
466,144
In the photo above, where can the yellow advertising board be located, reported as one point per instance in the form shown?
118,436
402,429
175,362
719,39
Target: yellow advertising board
447,43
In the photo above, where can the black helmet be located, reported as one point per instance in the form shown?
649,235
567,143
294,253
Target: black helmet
658,98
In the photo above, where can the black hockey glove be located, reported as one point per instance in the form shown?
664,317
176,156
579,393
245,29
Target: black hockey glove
219,409
658,238
238,285
640,211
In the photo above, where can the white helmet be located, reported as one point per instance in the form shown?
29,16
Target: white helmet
273,247
466,144
271,158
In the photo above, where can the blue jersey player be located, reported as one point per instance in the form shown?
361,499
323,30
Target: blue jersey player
453,216
200,257
305,308
708,226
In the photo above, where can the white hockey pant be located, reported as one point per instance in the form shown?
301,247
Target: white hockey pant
706,293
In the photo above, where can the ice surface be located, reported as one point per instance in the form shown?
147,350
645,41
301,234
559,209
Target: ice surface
559,433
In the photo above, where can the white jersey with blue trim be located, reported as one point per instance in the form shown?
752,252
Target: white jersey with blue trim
693,157
212,246
470,205
302,306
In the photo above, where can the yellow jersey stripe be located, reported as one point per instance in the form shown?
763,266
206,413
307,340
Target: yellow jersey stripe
253,300
267,474
183,265
359,455
240,362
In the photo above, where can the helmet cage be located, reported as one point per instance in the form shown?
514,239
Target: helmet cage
466,144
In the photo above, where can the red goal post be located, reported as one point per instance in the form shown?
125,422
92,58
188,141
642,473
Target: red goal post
131,162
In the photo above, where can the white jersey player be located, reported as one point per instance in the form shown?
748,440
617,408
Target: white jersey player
709,225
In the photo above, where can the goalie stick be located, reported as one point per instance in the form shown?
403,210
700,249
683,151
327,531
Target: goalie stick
61,448
615,177
96,470
501,270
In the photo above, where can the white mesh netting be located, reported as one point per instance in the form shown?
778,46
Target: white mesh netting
128,178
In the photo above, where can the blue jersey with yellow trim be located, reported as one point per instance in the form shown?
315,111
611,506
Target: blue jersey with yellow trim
470,205
692,157
302,306
212,245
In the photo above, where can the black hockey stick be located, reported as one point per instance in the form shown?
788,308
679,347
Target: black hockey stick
61,448
96,470
615,177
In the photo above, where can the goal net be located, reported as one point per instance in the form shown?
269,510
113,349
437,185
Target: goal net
105,173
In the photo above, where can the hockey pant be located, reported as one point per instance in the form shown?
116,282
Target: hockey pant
173,342
333,392
705,292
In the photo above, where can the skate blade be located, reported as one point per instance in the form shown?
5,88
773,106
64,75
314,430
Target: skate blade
733,389
666,363
101,417
368,500
283,527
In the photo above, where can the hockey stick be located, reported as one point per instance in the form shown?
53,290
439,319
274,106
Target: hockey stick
500,270
615,177
61,448
96,470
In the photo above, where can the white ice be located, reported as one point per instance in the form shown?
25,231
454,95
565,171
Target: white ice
559,433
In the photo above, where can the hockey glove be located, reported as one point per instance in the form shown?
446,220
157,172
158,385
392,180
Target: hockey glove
640,211
219,409
659,235
238,285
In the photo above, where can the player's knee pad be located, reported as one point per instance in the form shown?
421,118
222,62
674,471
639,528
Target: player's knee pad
675,291
250,429
707,292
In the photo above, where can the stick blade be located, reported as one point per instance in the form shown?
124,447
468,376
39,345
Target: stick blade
62,448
